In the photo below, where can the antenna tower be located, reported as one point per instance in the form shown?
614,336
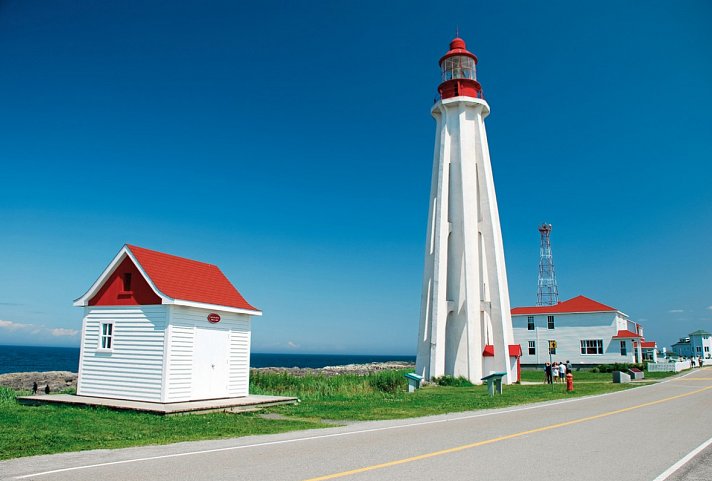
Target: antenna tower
547,292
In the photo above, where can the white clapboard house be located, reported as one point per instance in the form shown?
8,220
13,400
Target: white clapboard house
585,331
164,329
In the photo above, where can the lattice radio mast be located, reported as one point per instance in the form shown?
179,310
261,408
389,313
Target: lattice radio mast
547,292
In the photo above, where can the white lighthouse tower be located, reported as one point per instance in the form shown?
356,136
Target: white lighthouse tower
465,322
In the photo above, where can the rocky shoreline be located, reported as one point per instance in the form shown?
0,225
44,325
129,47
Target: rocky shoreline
62,380
56,380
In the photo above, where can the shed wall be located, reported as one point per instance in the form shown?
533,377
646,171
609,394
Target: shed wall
133,368
184,323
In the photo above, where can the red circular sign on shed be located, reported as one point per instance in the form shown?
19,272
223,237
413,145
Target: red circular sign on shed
213,318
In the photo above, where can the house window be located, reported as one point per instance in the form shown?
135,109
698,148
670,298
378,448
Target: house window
530,323
532,348
107,335
707,349
624,349
591,346
127,281
552,346
550,322
698,349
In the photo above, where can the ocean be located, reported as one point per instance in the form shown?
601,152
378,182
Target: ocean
34,358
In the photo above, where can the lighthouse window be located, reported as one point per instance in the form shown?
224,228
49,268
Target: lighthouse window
532,348
458,66
530,323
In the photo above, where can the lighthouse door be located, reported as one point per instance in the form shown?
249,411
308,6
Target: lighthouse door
210,369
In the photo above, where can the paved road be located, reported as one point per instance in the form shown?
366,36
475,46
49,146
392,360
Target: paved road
631,435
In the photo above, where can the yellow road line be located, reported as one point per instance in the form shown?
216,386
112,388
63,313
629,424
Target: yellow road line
501,438
693,379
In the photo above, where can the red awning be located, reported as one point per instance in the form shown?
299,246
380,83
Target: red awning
627,335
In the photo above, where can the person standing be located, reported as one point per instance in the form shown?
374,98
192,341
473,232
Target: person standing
555,372
562,372
547,372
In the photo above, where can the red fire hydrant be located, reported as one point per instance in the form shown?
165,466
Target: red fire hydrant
569,381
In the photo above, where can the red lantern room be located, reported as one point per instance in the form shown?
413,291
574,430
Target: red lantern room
458,68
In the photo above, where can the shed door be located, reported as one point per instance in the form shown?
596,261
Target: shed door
210,364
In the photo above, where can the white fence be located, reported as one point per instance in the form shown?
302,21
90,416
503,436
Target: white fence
669,366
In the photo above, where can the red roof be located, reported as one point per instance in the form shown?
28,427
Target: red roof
646,344
626,335
189,280
576,304
489,350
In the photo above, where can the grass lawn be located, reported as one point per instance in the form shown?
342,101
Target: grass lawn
32,430
434,400
531,375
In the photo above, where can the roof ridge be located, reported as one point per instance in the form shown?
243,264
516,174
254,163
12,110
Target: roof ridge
153,251
578,303
188,279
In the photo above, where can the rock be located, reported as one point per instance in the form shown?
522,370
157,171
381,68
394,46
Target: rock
57,380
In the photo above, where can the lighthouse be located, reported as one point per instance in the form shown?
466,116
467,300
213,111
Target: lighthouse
465,321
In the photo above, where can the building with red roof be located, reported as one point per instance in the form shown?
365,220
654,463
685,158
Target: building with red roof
584,331
163,328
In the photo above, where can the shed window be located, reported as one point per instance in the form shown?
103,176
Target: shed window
591,346
550,322
127,281
107,335
530,323
532,348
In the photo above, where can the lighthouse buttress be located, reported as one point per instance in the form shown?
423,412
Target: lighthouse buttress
465,323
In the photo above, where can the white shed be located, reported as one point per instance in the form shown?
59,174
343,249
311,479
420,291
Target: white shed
163,328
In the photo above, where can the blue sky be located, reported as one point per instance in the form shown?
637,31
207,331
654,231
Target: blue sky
291,144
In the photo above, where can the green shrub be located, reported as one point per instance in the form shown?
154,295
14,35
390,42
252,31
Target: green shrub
618,366
319,386
452,381
388,381
7,396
